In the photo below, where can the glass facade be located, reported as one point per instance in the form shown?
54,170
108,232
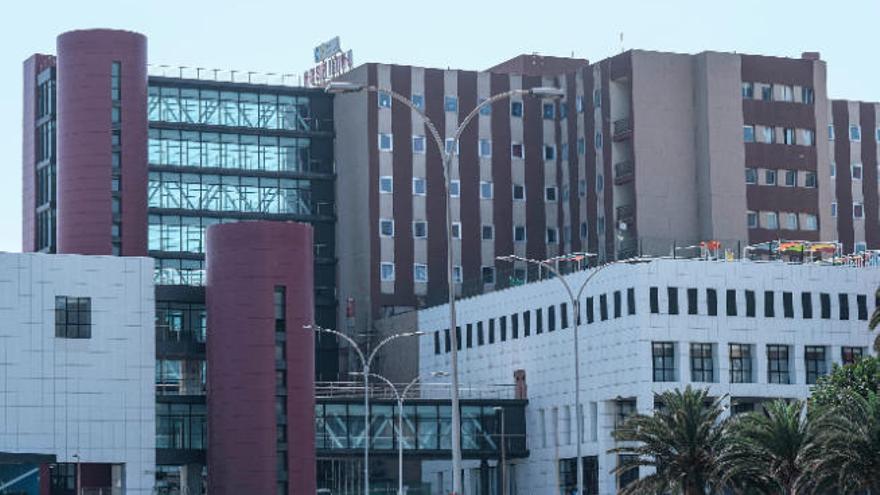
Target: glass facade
181,426
44,149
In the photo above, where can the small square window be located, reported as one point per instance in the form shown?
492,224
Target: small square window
516,150
73,317
857,171
386,271
810,179
833,170
456,230
552,236
420,230
579,103
452,146
831,132
485,190
386,142
485,148
549,110
582,146
855,133
749,133
384,99
386,184
791,178
833,209
420,272
858,210
386,227
420,187
418,144
772,220
487,232
519,233
751,176
752,219
770,177
550,193
418,101
791,221
519,192
549,152
450,103
484,109
454,188
516,109
488,273
811,222
598,140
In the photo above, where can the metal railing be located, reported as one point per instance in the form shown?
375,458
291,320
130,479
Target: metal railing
225,75
622,127
623,171
433,391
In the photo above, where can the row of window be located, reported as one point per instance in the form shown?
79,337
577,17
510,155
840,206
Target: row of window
770,299
790,178
790,220
450,104
487,231
742,368
486,189
784,135
858,210
855,133
484,147
778,92
856,171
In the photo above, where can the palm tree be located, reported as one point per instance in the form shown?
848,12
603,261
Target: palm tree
765,449
682,441
845,456
875,321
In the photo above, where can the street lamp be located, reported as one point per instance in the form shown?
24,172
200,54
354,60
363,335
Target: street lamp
78,481
366,361
575,312
547,92
499,409
400,398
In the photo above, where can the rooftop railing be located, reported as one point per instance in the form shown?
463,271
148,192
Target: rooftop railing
225,75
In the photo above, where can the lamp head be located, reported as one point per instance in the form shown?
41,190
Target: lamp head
548,92
342,87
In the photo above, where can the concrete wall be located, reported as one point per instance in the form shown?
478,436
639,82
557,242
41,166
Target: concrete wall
92,397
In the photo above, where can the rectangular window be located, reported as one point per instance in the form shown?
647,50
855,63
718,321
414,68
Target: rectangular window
386,227
549,152
437,342
731,302
386,142
752,219
420,186
539,321
456,230
454,188
519,192
772,220
452,146
790,177
485,110
485,190
386,184
527,323
672,295
514,326
386,271
750,303
810,180
481,338
751,176
702,364
549,110
768,304
618,302
519,233
855,133
487,232
418,101
551,318
448,341
630,301
663,354
603,307
552,236
516,109
766,92
807,305
590,311
488,273
420,230
740,363
788,135
858,210
563,316
711,302
748,90
862,306
450,103
768,135
825,305
654,300
502,327
420,272
814,361
384,99
770,177
811,222
777,364
73,317
749,133
807,95
831,132
857,171
485,148
843,309
469,335
787,305
692,301
849,355
456,274
516,150
418,144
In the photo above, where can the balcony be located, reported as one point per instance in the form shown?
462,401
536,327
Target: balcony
624,172
626,214
622,129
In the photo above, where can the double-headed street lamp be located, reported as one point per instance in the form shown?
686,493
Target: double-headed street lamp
400,398
365,361
341,87
575,314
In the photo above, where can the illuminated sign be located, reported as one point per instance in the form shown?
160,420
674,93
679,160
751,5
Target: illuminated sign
330,62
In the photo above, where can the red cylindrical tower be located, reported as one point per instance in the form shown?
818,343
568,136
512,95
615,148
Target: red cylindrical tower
260,286
86,130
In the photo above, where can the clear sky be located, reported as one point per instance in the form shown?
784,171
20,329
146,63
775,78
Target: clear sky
278,36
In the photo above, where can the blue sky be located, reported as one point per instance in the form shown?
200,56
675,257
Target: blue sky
278,36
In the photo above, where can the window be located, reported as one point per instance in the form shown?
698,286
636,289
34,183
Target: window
672,302
810,179
786,93
452,146
630,301
437,342
740,363
749,133
386,184
692,301
450,103
654,300
600,183
663,354
418,101
814,360
418,144
711,302
527,323
857,171
791,221
770,177
858,210
516,109
849,355
456,230
769,300
454,188
582,187
488,273
583,230
519,233
772,220
539,321
581,146
751,176
877,135
833,170
386,142
420,187
420,272
752,219
549,110
843,306
825,306
386,270
834,209
787,305
731,302
485,110
598,140
73,317
807,95
551,318
384,99
807,137
750,303
549,152
702,364
768,135
485,190
519,192
386,227
579,103
807,305
855,133
777,364
485,148
514,326
618,303
516,150
788,135
550,193
487,232
603,307
831,132
590,310
791,178
861,247
862,306
420,229
748,90
456,274
552,236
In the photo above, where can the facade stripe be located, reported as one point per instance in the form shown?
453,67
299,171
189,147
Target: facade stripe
590,160
574,203
402,161
502,212
868,121
533,141
843,181
373,152
436,200
608,192
469,174
561,183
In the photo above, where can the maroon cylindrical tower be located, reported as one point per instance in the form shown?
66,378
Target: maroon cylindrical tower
261,367
102,132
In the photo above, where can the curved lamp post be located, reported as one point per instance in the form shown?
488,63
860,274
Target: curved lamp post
365,361
575,314
400,398
341,87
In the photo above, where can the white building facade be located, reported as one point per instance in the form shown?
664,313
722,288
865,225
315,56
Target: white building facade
77,364
752,331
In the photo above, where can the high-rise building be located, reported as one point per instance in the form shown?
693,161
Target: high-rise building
119,161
